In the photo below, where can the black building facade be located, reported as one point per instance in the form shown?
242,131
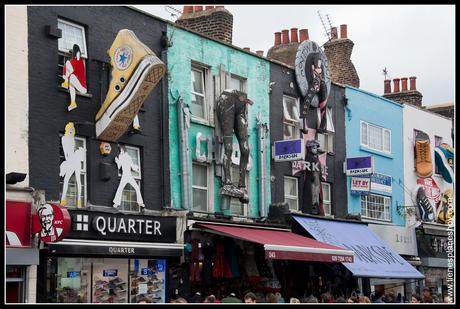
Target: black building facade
111,255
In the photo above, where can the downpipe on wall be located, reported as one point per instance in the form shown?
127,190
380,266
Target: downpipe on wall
183,114
262,131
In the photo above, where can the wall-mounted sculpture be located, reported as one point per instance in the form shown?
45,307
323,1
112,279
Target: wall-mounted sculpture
74,75
232,113
312,194
135,72
72,163
125,163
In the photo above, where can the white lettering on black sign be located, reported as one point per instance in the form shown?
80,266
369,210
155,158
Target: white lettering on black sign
121,250
127,226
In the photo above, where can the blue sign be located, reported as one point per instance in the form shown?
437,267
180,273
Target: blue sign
110,272
289,150
146,272
359,166
372,256
380,182
136,265
73,274
160,266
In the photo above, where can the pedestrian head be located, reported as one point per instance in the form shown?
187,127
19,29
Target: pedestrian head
294,300
210,299
415,299
364,300
340,299
271,298
250,298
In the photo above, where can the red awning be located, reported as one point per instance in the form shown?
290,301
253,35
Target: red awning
283,245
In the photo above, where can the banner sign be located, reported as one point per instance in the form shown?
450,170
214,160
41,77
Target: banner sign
431,188
380,182
289,150
52,222
359,166
360,185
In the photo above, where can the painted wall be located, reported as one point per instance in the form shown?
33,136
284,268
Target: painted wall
433,125
187,47
48,113
365,106
16,92
285,84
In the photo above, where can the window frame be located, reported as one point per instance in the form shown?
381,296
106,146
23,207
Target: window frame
207,95
83,49
289,121
234,200
138,179
241,79
328,185
207,188
368,137
84,173
385,207
329,137
292,197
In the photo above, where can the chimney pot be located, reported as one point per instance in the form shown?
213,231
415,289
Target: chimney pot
412,83
188,9
277,38
343,31
303,35
198,8
260,53
333,32
396,84
209,7
247,49
294,35
285,36
403,84
386,86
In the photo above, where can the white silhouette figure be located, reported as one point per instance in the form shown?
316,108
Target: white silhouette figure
126,164
72,163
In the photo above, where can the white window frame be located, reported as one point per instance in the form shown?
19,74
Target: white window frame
207,95
366,212
287,121
242,80
329,138
234,200
329,202
137,178
83,173
84,52
207,188
292,197
366,142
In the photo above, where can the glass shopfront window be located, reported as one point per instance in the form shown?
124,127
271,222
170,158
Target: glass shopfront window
15,280
105,280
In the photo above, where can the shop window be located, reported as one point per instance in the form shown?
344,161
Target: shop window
375,206
71,34
15,284
199,103
238,83
326,142
200,187
291,192
437,142
290,117
72,192
73,280
326,188
147,279
236,207
129,198
375,137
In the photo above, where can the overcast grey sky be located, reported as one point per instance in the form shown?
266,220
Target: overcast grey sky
409,40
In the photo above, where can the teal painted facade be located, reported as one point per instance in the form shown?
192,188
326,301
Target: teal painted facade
188,48
378,111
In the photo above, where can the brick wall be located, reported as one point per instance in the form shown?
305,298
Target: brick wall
216,23
338,53
406,97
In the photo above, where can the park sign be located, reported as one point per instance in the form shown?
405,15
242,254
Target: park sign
289,150
359,166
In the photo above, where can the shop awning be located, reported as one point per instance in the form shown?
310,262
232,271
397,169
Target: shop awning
283,245
373,257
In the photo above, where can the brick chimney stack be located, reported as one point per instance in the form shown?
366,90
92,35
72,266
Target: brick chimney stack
338,53
285,47
403,96
215,22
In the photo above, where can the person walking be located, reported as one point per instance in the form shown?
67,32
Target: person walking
231,298
250,298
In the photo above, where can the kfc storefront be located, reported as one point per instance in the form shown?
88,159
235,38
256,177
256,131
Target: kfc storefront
110,257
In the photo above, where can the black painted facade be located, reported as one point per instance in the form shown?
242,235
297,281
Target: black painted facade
285,83
48,102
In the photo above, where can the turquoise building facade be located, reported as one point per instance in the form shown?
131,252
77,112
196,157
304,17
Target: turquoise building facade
374,127
199,69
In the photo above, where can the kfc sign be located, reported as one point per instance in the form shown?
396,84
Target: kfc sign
18,219
52,222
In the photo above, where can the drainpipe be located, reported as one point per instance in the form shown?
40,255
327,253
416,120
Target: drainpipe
184,123
164,135
262,130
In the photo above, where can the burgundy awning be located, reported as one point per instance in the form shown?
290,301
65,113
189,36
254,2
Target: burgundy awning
283,245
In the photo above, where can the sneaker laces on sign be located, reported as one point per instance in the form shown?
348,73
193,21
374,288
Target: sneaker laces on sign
422,152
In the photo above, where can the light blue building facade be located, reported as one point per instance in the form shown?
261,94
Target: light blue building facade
374,127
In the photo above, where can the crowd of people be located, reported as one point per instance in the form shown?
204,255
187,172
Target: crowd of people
355,297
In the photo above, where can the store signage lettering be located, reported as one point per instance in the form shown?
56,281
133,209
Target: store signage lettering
360,185
108,226
51,223
121,250
439,245
121,225
110,272
373,254
342,259
298,166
